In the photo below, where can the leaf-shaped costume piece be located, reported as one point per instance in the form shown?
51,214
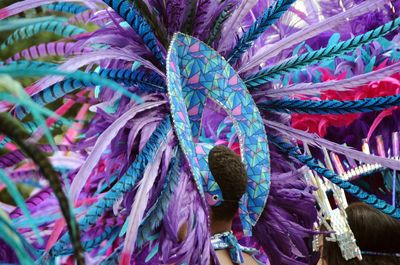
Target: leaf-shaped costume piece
195,72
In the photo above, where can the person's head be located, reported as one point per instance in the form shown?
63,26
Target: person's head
374,231
230,174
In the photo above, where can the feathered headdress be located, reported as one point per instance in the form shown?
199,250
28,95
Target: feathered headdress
151,87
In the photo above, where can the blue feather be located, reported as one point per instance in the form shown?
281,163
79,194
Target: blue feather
347,186
52,93
312,57
139,25
270,16
156,213
125,184
330,106
66,8
150,82
57,27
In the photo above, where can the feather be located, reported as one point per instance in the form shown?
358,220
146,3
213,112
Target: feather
337,148
14,24
48,49
233,23
52,93
14,157
11,237
330,106
296,62
139,204
263,22
33,202
138,23
352,189
147,81
16,132
30,69
126,182
156,213
66,7
101,144
337,85
22,6
59,28
82,60
84,18
313,30
19,200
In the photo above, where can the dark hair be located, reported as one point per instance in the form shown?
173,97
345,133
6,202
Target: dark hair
231,176
374,231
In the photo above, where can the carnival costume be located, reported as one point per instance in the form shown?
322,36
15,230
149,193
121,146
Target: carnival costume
153,86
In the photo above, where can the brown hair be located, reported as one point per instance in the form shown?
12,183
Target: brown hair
374,231
230,174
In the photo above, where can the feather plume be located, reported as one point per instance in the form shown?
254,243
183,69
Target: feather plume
265,54
101,144
323,143
232,24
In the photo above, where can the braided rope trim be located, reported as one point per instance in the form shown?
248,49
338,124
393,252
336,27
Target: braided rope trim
330,106
263,22
352,189
308,58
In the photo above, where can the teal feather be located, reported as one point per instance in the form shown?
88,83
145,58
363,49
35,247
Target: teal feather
19,200
11,238
347,186
309,58
125,184
263,22
57,27
66,8
43,69
157,212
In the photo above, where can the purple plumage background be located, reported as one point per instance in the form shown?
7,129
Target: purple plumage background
284,230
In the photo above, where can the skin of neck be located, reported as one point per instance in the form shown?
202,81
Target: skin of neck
220,226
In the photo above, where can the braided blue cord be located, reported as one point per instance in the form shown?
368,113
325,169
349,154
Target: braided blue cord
57,27
263,22
330,106
139,25
156,213
151,82
354,190
125,184
273,72
66,8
